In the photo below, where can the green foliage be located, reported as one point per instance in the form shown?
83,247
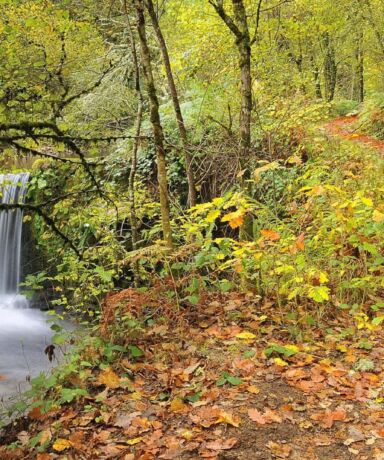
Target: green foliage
372,115
343,107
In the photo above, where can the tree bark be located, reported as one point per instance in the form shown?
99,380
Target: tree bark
359,73
192,199
136,141
316,78
239,27
330,69
156,123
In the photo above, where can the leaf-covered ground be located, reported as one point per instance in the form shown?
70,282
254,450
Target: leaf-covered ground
229,382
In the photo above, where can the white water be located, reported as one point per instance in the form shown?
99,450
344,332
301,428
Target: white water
24,333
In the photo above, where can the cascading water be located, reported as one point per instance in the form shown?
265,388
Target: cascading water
24,333
13,189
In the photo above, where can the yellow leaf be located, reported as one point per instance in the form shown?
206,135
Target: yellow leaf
378,216
280,362
212,216
177,405
229,419
253,389
268,167
109,378
246,335
367,201
132,442
61,444
188,435
293,348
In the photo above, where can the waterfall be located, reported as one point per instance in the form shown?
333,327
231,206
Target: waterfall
13,189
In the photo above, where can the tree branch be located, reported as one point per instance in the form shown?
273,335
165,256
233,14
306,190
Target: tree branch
48,220
218,5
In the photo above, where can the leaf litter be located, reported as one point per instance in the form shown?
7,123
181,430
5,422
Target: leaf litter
218,392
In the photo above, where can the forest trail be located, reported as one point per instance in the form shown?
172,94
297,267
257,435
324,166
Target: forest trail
344,128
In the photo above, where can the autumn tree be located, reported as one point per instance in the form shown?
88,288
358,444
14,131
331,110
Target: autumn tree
157,128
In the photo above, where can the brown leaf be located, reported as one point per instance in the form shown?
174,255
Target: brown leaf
43,456
327,418
221,444
279,450
256,416
269,416
125,420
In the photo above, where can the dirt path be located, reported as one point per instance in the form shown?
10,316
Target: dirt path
348,129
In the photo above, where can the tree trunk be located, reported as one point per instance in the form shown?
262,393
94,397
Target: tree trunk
243,43
238,25
316,78
330,69
359,86
192,199
156,123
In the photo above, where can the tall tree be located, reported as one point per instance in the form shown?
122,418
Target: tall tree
192,199
238,25
157,128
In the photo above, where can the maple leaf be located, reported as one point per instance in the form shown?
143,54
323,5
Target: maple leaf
269,416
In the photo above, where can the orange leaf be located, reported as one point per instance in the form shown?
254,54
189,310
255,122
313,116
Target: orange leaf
328,418
235,219
270,235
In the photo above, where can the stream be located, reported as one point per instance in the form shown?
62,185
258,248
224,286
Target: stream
24,335
24,331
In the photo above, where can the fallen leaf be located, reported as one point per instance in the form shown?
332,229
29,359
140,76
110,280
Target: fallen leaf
43,456
222,445
134,441
177,405
279,450
256,416
61,444
229,419
246,335
109,378
328,418
253,389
